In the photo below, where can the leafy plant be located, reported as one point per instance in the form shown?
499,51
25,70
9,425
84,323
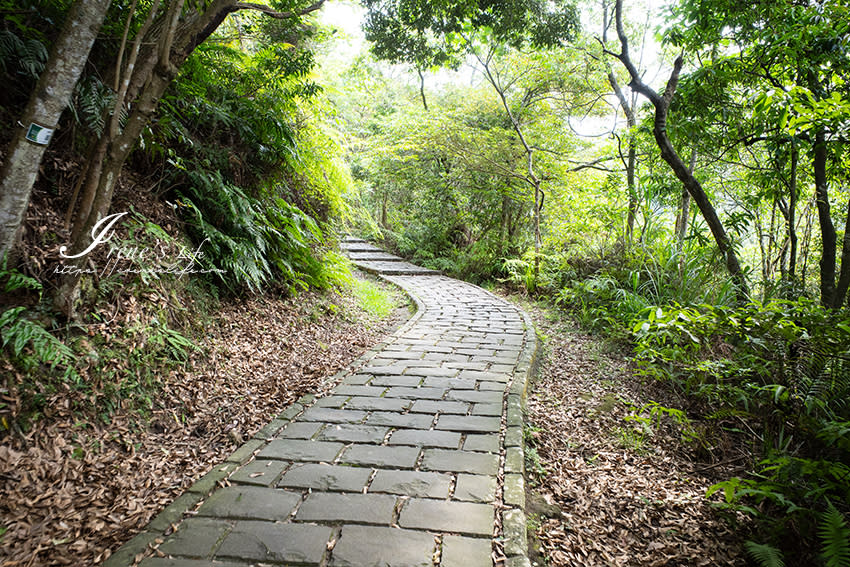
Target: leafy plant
834,533
766,555
18,332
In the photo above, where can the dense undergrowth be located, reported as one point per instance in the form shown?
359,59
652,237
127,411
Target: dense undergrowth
764,384
235,189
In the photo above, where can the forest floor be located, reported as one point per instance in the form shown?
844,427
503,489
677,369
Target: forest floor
73,488
604,490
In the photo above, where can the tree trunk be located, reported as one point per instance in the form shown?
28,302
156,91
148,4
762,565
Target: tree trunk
827,229
669,155
844,275
422,88
47,102
684,214
792,215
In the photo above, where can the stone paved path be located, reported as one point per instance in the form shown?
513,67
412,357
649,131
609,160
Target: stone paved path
415,459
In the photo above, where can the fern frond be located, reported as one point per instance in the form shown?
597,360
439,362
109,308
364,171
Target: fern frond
834,534
17,332
33,57
764,554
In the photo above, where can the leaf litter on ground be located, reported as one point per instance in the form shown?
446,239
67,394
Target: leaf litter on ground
74,489
603,491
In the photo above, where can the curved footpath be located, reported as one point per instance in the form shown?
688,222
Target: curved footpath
415,459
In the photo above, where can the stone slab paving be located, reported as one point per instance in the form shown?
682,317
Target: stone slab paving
415,459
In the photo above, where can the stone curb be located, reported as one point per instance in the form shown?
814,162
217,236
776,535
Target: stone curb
513,515
194,496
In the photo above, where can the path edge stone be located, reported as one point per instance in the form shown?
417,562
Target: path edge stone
514,522
191,498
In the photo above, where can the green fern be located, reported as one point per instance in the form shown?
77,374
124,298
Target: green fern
17,332
15,280
92,104
834,534
28,56
764,554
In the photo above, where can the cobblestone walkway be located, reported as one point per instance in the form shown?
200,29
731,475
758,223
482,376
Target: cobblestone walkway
415,459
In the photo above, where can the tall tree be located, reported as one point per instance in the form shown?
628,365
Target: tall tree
661,104
790,60
171,31
41,116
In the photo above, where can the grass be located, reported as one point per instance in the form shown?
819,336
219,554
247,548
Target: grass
376,300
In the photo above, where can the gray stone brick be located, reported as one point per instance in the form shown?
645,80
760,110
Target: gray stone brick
485,375
271,429
441,515
245,452
326,477
460,461
487,409
514,532
475,488
494,386
401,355
429,371
398,548
356,380
126,554
300,430
514,490
250,503
196,537
434,406
378,404
478,396
484,443
339,507
290,412
354,433
387,370
381,456
513,436
371,391
335,402
409,381
209,481
426,438
300,450
407,420
260,472
183,562
412,483
174,512
330,415
470,423
266,541
416,393
466,552
514,460
454,383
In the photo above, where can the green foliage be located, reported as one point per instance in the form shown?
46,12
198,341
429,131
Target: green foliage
92,104
764,554
784,363
28,342
373,298
250,242
24,56
834,533
256,191
19,333
427,33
